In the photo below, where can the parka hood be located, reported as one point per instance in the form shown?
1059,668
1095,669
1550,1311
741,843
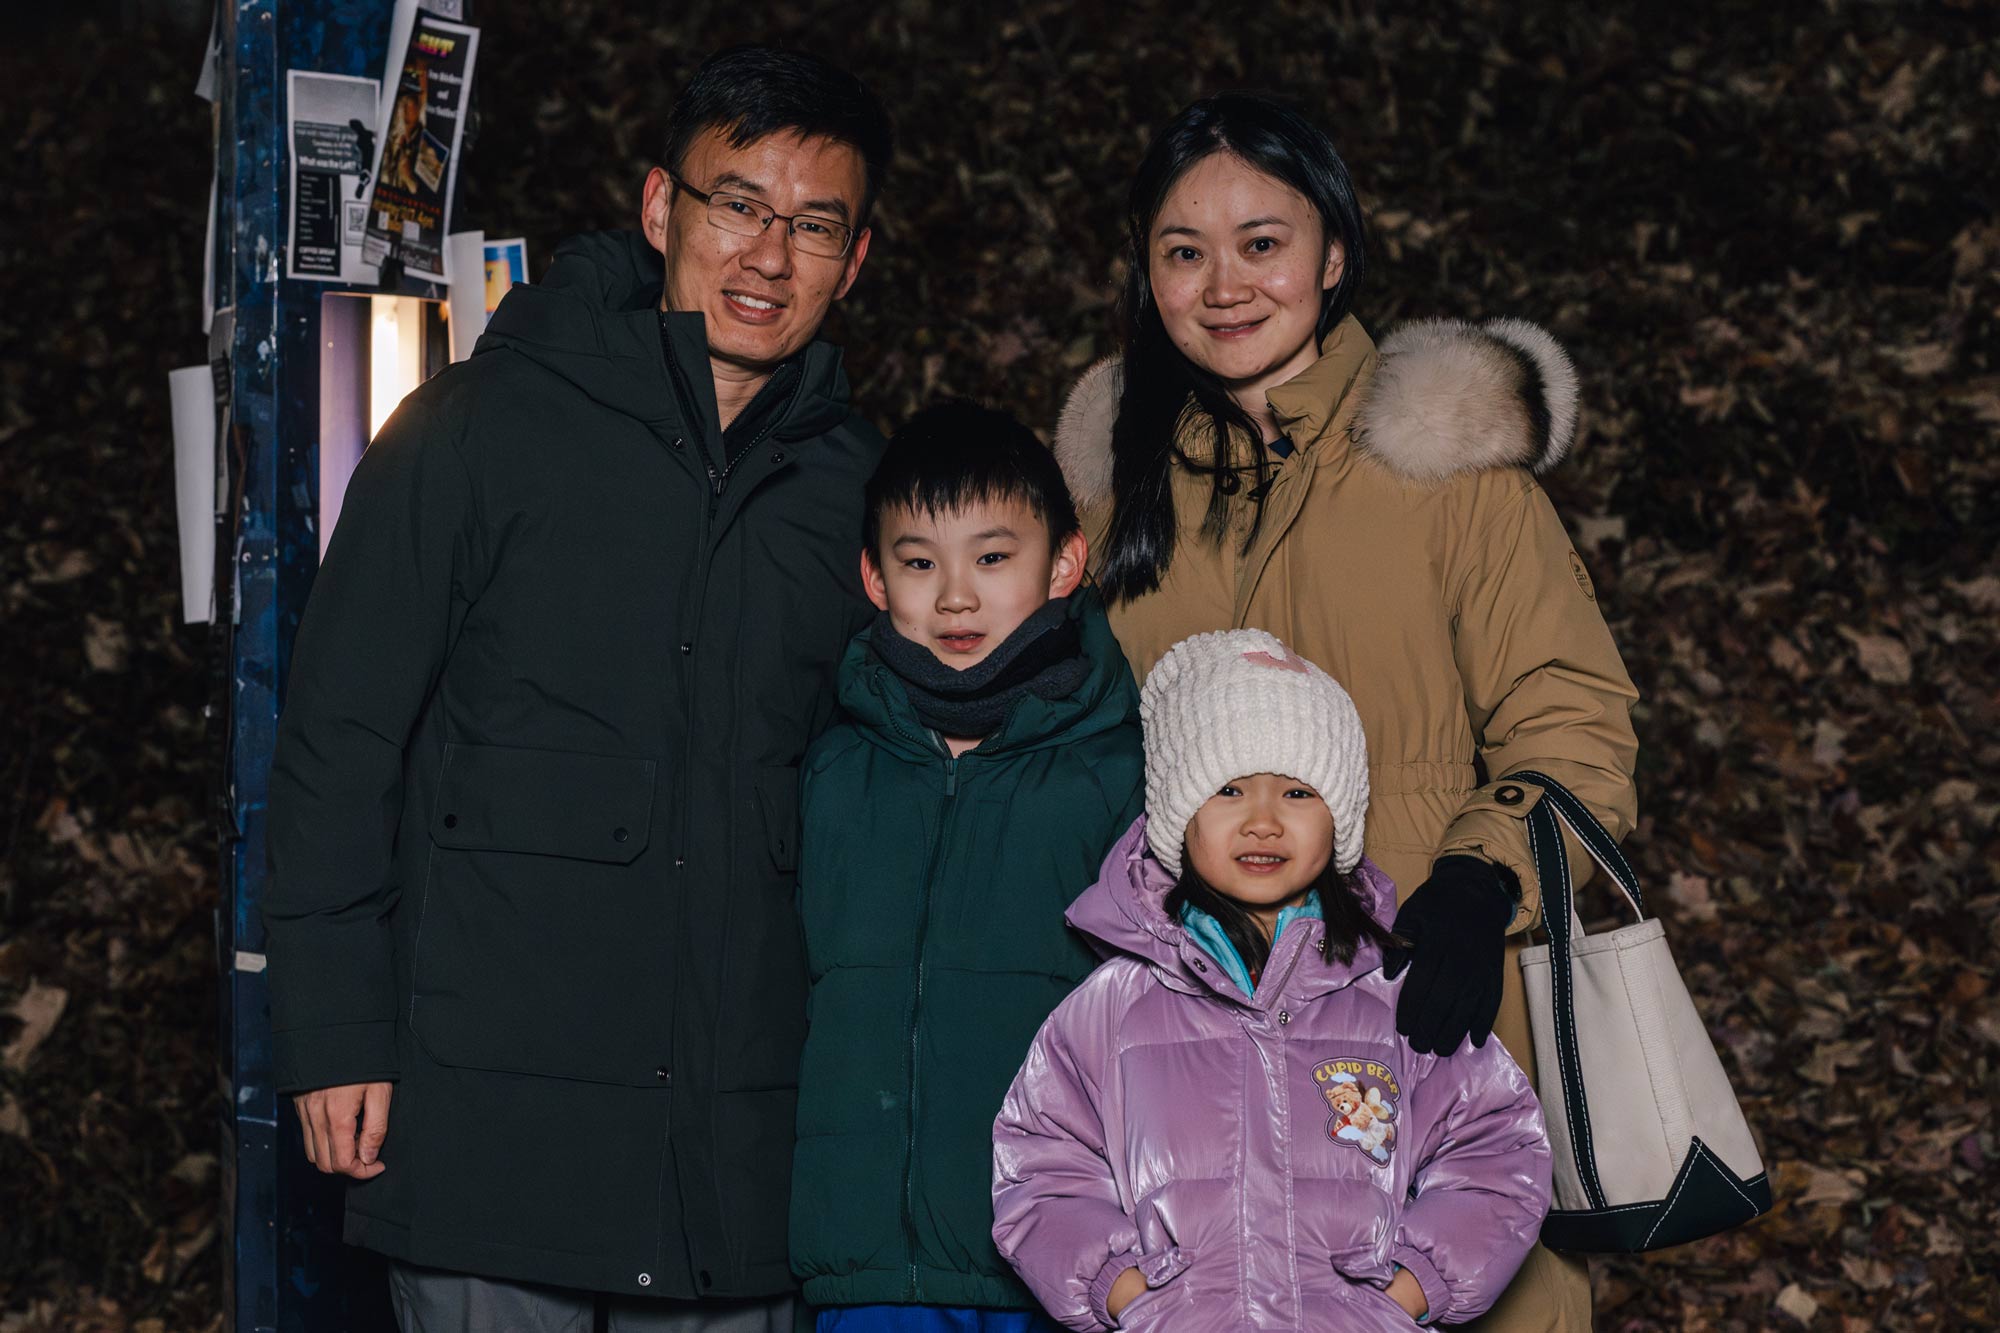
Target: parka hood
1124,912
876,699
595,320
1440,397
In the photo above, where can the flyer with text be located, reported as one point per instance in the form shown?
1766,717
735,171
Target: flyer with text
332,125
409,211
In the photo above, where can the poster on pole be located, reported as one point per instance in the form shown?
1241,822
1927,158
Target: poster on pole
332,127
506,266
409,207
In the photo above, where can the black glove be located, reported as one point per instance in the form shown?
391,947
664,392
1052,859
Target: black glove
1456,923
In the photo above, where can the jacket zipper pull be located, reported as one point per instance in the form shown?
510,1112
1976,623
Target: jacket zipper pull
951,777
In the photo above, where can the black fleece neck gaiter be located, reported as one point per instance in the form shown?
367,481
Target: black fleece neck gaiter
1043,657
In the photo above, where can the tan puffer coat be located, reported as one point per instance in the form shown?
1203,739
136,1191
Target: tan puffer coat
1407,548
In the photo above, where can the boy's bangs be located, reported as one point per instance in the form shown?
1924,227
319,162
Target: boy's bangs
958,456
948,496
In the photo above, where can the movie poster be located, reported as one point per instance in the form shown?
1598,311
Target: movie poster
409,211
332,123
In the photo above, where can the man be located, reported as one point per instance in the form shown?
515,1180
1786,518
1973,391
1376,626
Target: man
535,972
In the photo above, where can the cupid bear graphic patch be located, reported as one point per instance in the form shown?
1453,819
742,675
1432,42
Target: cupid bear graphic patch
1362,1095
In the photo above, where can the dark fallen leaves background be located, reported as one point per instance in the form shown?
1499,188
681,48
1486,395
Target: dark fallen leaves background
1767,232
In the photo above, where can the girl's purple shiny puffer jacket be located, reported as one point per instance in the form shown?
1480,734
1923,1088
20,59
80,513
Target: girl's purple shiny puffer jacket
1266,1164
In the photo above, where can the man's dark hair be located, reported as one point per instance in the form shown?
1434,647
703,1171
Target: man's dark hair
749,92
956,454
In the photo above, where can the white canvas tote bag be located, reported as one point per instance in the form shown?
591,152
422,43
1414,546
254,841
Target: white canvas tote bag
1651,1148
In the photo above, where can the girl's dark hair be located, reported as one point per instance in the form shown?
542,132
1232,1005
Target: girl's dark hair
1347,919
1158,380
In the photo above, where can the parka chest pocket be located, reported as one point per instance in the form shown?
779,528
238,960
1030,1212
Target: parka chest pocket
546,802
539,943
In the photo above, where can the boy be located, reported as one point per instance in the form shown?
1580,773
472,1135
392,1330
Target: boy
989,756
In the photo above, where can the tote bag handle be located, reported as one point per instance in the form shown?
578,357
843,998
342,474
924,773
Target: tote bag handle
1564,926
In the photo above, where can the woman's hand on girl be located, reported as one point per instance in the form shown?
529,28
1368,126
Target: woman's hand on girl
1456,923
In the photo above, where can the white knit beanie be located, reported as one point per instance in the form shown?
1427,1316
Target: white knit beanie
1237,702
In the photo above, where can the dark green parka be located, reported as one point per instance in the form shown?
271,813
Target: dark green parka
534,805
933,892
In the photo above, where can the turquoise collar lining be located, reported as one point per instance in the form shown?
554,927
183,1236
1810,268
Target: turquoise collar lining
1208,933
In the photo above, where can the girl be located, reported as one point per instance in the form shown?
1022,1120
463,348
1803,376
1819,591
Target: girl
1254,460
1221,1129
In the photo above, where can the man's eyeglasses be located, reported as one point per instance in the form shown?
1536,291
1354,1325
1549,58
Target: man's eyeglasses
748,217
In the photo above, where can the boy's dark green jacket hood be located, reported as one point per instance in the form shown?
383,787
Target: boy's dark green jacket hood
933,893
533,817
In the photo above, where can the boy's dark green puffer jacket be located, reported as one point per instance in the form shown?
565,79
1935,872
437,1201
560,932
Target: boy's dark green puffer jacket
933,893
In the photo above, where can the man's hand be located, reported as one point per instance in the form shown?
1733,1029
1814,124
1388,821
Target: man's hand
1130,1284
1456,923
328,1115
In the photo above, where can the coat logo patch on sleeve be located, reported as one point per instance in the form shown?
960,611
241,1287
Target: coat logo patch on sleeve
1362,1095
1581,575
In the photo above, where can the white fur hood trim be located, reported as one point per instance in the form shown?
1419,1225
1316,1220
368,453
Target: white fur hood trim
1447,397
1453,397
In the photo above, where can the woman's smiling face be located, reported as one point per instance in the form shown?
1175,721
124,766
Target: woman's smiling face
1238,262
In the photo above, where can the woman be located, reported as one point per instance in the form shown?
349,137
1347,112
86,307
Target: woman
1254,460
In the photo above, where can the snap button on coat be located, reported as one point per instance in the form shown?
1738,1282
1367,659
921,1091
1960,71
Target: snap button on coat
1508,796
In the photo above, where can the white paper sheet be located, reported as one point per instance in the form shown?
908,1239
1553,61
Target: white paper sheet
192,392
465,265
208,262
211,60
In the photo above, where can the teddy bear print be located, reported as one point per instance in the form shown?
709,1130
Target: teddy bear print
1365,1120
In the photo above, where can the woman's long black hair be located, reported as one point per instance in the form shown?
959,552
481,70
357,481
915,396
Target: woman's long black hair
1347,919
1158,379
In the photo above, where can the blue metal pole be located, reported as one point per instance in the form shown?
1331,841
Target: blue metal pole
286,1267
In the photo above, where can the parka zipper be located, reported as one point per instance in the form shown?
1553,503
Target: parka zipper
719,477
916,1004
777,419
686,849
1298,956
692,633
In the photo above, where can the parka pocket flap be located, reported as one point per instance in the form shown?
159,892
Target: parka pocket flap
587,807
